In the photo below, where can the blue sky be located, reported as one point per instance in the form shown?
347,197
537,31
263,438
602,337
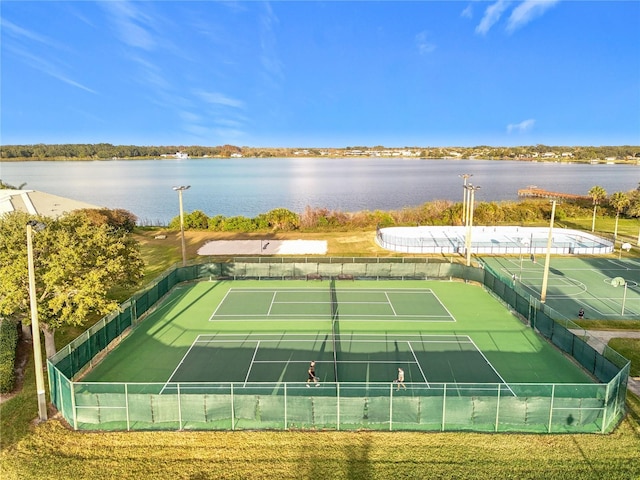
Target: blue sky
321,74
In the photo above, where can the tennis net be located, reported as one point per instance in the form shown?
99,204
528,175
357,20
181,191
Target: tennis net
334,325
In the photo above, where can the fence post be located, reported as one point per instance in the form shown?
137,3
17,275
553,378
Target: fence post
444,405
73,404
233,420
553,393
498,408
604,409
60,396
391,407
126,405
338,406
179,408
285,405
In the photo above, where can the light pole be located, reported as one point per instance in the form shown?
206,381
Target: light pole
181,189
464,196
545,275
35,327
472,190
593,220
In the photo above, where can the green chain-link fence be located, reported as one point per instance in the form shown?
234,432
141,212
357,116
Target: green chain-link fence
539,408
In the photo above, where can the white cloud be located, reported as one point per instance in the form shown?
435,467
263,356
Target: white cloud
491,15
131,24
216,98
269,58
527,11
424,45
190,117
22,33
467,12
46,66
521,127
16,42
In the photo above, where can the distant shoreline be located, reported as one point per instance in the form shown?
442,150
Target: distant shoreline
352,157
623,154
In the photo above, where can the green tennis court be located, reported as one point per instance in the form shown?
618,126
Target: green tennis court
359,358
350,304
606,288
248,332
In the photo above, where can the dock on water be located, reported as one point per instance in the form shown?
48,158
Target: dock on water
533,191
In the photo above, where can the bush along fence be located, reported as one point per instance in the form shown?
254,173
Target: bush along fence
8,343
542,408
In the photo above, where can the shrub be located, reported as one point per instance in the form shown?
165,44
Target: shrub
8,343
116,218
238,224
196,220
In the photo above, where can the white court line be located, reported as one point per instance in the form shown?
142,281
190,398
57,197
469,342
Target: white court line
273,299
255,352
308,317
419,366
351,340
220,304
390,303
492,368
329,362
445,308
619,264
324,290
179,364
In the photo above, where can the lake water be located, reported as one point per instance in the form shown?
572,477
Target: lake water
248,186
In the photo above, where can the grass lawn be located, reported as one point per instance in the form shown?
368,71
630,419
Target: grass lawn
630,349
53,451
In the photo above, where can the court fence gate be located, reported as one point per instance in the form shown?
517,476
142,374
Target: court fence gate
539,408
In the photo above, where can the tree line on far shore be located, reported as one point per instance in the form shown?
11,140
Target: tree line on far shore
439,212
107,151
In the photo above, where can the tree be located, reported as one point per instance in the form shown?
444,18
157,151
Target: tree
597,194
76,264
619,201
634,204
283,219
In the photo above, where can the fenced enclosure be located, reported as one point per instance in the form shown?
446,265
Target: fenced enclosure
497,407
491,240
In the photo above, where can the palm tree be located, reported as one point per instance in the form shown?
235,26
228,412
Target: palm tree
619,201
597,194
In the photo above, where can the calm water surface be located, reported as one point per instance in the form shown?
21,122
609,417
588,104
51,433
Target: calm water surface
249,187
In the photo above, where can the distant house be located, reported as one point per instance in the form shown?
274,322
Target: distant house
175,155
38,203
